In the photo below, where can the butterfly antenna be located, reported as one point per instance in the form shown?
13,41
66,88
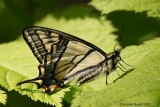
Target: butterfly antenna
119,39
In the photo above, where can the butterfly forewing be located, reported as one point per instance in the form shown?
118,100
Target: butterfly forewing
40,41
76,58
63,57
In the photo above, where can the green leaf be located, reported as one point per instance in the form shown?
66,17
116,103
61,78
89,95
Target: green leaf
3,98
135,87
149,6
18,63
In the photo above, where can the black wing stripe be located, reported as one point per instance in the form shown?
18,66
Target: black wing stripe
90,51
38,43
92,74
34,43
82,71
71,62
61,51
63,70
85,72
62,66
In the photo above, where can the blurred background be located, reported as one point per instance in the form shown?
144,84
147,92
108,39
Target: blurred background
15,15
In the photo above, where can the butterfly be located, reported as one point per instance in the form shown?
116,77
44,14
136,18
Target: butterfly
64,57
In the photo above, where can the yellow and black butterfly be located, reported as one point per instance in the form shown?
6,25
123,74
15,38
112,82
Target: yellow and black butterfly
64,57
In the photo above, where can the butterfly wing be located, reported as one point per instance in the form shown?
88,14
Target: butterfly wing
77,60
40,41
68,55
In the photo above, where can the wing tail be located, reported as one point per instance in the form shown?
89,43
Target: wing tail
37,81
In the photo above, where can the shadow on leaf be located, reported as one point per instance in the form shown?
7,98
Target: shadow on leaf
124,74
138,27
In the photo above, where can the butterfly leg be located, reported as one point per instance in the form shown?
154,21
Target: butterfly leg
122,67
115,69
107,74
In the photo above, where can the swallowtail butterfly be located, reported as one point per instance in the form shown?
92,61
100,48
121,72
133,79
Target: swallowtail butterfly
64,57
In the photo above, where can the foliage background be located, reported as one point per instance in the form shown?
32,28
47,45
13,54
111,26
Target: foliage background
97,21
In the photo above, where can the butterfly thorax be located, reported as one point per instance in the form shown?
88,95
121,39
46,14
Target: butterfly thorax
112,61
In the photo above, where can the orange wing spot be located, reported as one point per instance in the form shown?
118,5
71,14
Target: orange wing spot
54,87
50,89
46,89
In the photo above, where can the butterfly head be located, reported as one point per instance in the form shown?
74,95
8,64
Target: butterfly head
114,57
116,54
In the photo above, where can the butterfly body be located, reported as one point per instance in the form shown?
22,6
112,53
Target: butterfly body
64,57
